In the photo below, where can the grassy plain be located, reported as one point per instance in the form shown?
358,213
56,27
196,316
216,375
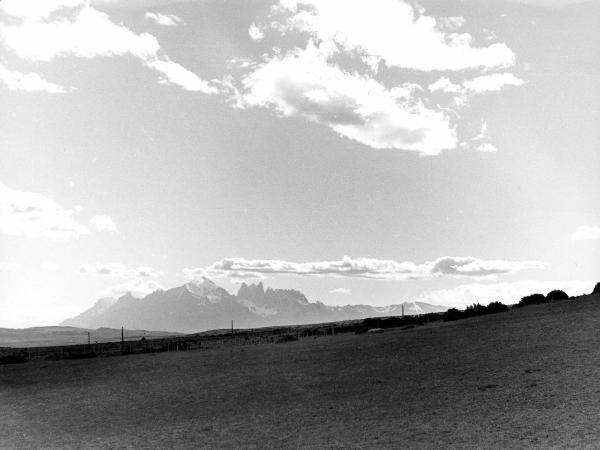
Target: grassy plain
526,378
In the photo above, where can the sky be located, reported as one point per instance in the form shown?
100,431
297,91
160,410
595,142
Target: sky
444,151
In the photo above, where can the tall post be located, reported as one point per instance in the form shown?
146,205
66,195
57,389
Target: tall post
231,326
122,340
88,333
403,310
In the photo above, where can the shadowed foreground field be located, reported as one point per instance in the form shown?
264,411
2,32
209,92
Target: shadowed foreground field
526,378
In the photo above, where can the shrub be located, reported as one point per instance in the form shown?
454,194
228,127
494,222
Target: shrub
453,314
475,310
557,295
596,290
13,359
496,307
533,299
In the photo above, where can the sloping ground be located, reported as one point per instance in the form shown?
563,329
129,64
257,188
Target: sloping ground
526,378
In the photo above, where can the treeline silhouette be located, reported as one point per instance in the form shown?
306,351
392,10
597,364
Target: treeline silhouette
473,310
452,314
535,299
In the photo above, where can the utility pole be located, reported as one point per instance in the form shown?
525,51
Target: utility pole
122,343
231,326
88,333
403,310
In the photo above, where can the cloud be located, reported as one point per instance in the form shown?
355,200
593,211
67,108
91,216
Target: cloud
303,84
165,20
138,288
9,267
366,268
30,82
445,85
104,223
586,233
90,33
44,30
477,85
34,215
331,74
486,147
342,291
49,266
394,31
551,3
508,292
36,9
255,33
492,82
481,142
176,74
119,270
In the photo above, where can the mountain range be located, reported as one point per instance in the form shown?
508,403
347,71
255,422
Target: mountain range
202,305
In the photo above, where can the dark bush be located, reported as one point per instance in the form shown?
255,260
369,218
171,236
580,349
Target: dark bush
453,314
557,295
496,307
475,310
596,290
13,359
533,299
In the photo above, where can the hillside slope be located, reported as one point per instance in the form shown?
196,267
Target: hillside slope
527,378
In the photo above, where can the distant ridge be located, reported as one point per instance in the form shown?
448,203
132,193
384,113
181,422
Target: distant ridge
202,305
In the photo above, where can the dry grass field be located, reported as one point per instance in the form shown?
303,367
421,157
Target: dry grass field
526,378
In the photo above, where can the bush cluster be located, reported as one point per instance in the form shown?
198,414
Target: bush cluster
450,315
474,310
535,299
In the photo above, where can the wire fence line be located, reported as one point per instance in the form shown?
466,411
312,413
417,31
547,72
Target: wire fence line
151,343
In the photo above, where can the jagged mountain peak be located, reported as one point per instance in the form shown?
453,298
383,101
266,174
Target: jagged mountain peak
201,304
251,290
202,287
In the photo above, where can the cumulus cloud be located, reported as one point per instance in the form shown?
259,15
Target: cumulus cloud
477,85
49,266
9,267
342,291
367,268
586,233
104,223
302,83
445,85
31,82
165,20
394,31
492,82
116,269
486,147
255,33
138,288
34,215
44,30
507,292
332,79
177,74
